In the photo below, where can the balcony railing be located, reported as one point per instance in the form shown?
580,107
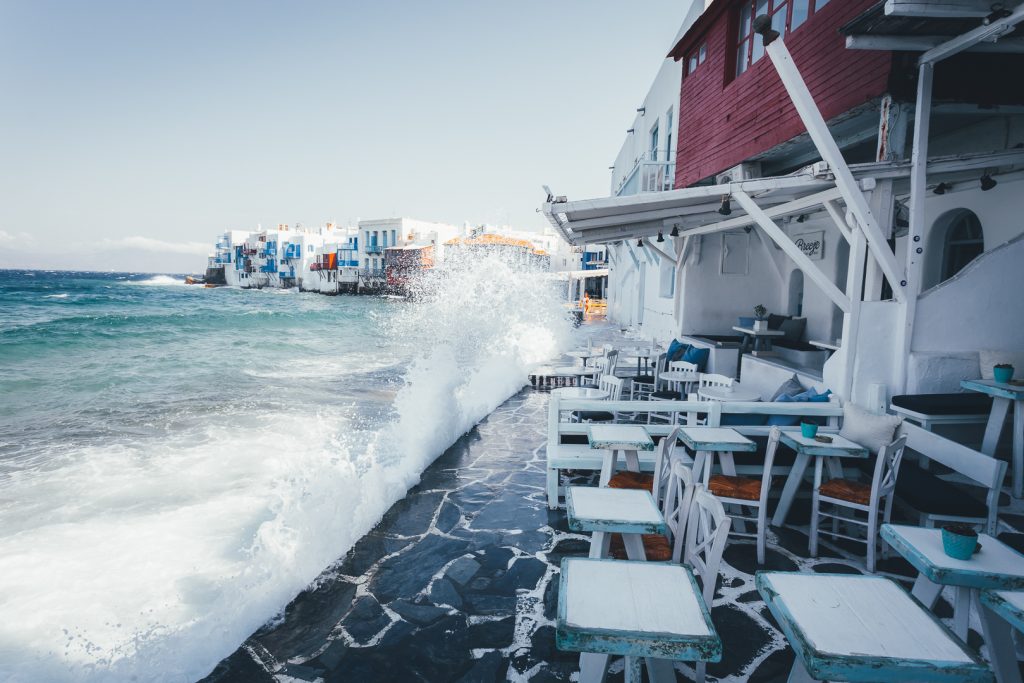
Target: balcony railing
649,174
374,249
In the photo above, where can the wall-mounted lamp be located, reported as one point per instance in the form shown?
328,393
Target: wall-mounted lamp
611,168
941,188
675,230
725,209
661,238
639,241
801,218
763,27
631,131
641,110
987,182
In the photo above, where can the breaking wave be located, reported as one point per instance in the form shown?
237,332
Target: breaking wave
158,281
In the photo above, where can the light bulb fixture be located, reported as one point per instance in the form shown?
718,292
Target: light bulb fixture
639,241
987,182
763,27
630,131
641,110
941,188
675,230
725,209
661,238
801,218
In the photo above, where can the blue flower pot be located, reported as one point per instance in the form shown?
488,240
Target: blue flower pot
957,546
809,430
1002,375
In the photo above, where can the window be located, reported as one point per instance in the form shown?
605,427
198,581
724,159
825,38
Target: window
697,57
654,143
787,16
394,239
964,241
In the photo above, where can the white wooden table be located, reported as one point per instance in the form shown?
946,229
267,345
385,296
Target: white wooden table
727,394
605,511
640,610
1007,606
706,441
863,628
581,392
826,346
684,377
806,449
612,438
762,338
577,371
995,566
1003,395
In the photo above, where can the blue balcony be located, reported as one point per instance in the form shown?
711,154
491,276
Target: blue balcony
269,267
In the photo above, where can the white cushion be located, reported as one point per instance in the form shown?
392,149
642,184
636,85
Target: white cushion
868,429
989,358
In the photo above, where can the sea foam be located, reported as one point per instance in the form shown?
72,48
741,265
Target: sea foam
152,562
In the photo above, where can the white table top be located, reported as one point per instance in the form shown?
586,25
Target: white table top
576,370
580,392
605,509
831,346
619,437
1014,392
584,353
636,597
680,376
996,565
715,439
840,446
835,616
733,393
758,333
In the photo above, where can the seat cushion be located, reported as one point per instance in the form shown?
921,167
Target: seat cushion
925,492
595,416
743,488
575,439
642,379
666,395
847,489
631,480
656,548
1015,541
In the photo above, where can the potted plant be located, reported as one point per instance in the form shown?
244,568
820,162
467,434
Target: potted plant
760,317
1003,372
809,430
959,541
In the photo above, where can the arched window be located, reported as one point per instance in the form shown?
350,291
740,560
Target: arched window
964,241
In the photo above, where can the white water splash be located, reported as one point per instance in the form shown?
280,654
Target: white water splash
151,562
158,281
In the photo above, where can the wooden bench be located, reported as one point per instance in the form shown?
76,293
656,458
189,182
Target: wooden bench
938,500
579,456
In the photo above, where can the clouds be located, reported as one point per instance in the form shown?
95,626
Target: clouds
140,243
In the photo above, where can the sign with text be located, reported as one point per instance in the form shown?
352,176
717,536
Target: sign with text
812,244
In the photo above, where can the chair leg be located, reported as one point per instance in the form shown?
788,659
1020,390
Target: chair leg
552,488
762,525
812,541
701,672
872,538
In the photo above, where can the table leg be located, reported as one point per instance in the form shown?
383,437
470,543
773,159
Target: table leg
611,457
926,592
699,458
1001,652
796,475
961,611
634,547
633,669
798,674
660,670
1000,406
593,667
728,463
632,461
599,542
1018,449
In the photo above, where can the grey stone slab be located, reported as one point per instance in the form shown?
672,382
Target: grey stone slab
462,570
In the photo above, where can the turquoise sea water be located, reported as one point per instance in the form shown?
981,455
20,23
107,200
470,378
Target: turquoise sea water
177,462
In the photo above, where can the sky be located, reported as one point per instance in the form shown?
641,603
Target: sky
132,133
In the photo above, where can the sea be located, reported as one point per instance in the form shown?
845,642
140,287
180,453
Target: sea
178,462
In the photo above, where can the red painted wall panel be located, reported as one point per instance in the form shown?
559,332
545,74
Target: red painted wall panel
724,120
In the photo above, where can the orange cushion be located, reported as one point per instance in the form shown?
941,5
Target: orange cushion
743,488
845,489
631,480
656,548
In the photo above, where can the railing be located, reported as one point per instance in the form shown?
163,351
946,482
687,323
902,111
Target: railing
649,175
374,249
372,272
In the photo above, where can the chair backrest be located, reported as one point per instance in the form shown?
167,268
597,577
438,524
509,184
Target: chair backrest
887,468
660,364
682,366
611,359
712,380
678,503
613,385
707,528
663,464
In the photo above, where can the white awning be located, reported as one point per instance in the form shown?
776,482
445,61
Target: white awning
580,274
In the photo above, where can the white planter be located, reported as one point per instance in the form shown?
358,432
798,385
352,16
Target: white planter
760,325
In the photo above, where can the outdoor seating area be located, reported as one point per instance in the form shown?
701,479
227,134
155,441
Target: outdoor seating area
699,450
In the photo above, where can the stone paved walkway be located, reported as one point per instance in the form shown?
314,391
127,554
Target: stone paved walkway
458,582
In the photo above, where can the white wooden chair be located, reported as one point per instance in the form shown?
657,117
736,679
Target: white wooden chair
711,380
656,482
678,503
607,363
611,384
858,497
670,390
642,386
749,492
707,529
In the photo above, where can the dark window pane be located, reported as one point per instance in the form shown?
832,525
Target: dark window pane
758,49
693,64
703,54
800,11
741,57
744,21
779,18
818,4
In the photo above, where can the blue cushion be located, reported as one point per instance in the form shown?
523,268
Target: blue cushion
676,350
788,420
697,356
